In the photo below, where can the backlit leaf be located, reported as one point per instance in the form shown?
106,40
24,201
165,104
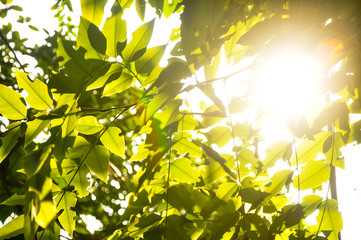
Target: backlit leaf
114,141
98,162
184,146
182,171
86,31
313,174
219,135
114,71
115,31
93,10
9,141
66,218
331,218
308,149
13,228
81,182
146,63
139,42
97,39
34,128
38,95
10,104
140,7
14,200
279,180
88,125
118,85
46,213
278,150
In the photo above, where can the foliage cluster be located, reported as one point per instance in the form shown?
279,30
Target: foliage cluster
123,144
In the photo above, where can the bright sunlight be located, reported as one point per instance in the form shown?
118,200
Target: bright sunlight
287,83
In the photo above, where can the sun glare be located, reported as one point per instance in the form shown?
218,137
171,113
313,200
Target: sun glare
287,83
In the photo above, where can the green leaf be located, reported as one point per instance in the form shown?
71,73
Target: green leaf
88,125
278,150
208,90
14,228
114,71
312,175
14,200
34,161
9,141
34,128
140,40
93,10
11,105
219,135
39,97
115,31
182,171
308,149
98,162
140,7
184,146
46,214
33,28
279,180
330,217
221,225
114,141
97,39
226,190
151,58
310,203
86,31
80,146
143,153
67,217
118,85
81,182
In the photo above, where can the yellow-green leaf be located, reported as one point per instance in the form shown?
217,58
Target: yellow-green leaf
34,128
93,10
312,175
38,95
13,228
115,70
66,218
88,125
119,85
14,200
46,213
219,135
146,63
115,31
83,39
278,182
9,141
182,171
81,182
139,42
10,104
308,149
330,217
114,141
98,162
143,153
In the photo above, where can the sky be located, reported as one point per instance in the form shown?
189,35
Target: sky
348,181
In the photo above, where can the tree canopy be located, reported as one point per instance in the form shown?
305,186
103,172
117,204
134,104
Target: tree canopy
162,142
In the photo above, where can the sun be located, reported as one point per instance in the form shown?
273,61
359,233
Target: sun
286,83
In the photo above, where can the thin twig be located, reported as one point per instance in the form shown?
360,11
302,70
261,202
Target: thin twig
12,50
